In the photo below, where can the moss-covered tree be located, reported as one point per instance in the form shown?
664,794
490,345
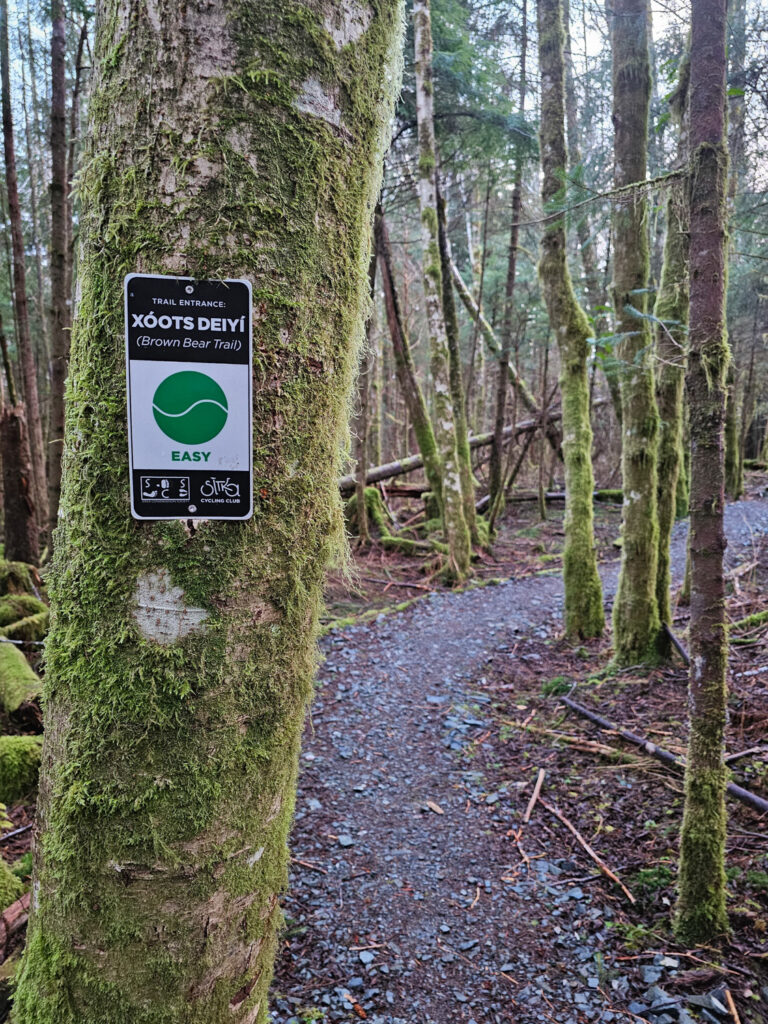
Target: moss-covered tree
455,375
635,612
456,528
671,313
701,913
404,368
235,139
583,593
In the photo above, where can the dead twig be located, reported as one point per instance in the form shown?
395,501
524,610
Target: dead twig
535,796
585,845
732,1007
666,756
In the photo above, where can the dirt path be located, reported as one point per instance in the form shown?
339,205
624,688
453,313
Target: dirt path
407,900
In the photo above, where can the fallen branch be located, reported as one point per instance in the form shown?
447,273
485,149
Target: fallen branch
666,756
13,919
535,797
677,645
732,1007
583,842
412,462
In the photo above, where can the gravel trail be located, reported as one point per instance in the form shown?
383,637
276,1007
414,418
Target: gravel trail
406,901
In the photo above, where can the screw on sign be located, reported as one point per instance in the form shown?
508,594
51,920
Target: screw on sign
189,355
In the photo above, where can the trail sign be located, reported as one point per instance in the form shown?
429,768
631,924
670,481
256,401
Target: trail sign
188,352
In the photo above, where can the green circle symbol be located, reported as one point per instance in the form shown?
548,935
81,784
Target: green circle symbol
190,407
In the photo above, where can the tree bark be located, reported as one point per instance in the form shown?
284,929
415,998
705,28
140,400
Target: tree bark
21,309
361,440
404,368
671,335
701,914
456,528
635,612
496,467
20,533
457,383
225,141
59,329
584,615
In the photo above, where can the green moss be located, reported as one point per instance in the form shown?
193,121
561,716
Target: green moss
33,627
170,768
19,578
18,682
10,886
584,616
19,767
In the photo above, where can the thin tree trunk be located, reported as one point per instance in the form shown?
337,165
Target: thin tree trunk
404,368
595,294
522,391
734,477
671,313
20,533
584,615
456,528
701,914
496,468
635,612
33,171
26,357
181,656
72,154
361,441
457,383
59,305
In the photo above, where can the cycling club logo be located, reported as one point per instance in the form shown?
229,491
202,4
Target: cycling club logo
190,407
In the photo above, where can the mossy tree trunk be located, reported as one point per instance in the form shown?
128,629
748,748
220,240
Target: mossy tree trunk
734,470
701,914
404,368
635,612
456,528
671,312
583,593
593,287
226,140
457,382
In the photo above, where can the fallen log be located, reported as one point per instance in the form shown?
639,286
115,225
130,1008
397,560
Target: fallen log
412,462
666,756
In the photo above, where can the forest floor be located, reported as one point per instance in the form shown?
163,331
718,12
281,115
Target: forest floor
418,894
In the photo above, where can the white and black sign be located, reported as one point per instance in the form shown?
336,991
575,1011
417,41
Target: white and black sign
188,347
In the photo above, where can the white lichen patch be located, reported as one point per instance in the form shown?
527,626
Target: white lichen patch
347,21
316,100
161,612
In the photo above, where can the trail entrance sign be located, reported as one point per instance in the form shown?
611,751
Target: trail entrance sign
188,351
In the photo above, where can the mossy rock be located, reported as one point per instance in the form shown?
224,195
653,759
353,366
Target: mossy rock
19,606
11,886
32,627
19,767
19,578
18,681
